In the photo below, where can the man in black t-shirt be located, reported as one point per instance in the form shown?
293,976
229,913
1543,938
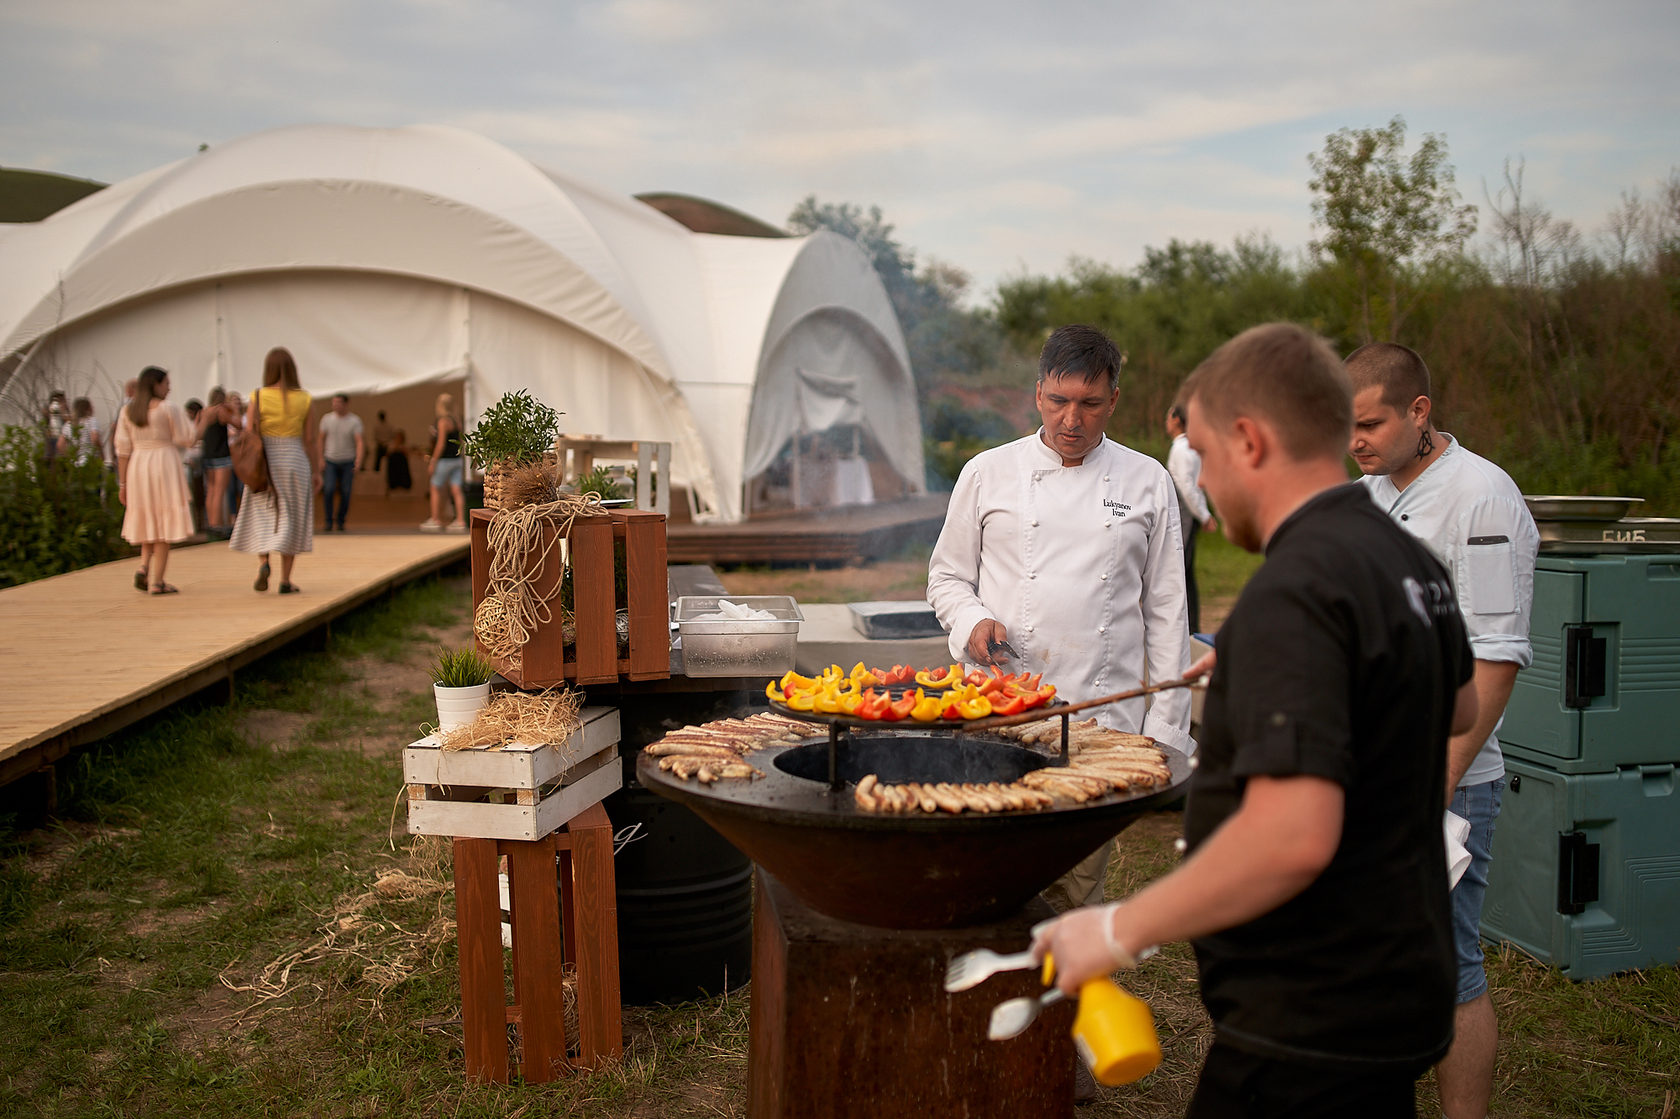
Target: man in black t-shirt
1315,887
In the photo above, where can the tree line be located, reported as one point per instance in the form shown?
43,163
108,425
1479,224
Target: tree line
1553,352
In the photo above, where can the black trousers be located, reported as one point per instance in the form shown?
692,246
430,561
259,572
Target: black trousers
1238,1085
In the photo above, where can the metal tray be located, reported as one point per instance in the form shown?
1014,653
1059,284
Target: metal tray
1563,508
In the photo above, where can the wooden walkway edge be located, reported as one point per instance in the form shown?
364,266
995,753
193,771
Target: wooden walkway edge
85,654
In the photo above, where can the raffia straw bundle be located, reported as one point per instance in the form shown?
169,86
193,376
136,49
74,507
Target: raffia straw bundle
521,541
549,716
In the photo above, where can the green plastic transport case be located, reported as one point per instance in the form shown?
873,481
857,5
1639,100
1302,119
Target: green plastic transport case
1604,688
1586,867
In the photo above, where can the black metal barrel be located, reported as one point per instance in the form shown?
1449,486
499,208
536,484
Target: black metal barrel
684,903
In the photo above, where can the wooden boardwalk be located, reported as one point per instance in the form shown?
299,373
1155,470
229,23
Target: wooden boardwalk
85,654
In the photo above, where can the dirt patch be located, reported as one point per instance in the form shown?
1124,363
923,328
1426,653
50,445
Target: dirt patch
274,728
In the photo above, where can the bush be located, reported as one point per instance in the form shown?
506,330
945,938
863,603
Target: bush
54,517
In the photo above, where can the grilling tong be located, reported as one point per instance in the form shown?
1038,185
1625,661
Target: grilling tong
1113,1030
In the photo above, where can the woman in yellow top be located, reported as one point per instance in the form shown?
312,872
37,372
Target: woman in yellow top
282,517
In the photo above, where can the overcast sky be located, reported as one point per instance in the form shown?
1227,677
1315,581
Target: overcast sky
998,137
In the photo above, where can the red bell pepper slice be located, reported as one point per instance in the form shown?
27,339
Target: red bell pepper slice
1011,704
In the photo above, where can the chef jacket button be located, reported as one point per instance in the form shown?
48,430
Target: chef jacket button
1029,629
1107,522
1033,523
1102,629
1181,845
1105,477
1032,574
1104,575
1195,762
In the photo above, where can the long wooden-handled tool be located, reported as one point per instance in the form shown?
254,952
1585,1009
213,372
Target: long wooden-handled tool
1038,713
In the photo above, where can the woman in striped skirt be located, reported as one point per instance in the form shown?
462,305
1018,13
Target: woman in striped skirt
282,517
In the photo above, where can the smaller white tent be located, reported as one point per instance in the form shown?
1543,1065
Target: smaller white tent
387,259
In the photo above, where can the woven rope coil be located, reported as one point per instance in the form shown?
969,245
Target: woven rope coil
521,542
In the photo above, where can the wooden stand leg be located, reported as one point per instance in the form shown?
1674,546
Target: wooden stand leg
478,923
600,1030
537,966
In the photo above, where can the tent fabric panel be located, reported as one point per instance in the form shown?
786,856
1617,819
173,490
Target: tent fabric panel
600,390
362,227
805,381
348,333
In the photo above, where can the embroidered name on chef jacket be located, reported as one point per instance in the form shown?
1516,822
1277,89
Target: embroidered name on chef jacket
1117,508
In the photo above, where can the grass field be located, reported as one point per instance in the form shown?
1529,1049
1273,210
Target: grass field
211,927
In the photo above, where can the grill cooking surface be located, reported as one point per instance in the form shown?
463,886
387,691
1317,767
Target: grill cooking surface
904,871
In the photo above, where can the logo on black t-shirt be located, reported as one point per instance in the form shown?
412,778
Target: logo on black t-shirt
1430,600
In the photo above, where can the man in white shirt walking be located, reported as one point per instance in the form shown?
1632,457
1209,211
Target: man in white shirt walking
1065,544
1473,517
342,450
1194,516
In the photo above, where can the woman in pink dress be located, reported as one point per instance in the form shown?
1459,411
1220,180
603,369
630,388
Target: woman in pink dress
151,484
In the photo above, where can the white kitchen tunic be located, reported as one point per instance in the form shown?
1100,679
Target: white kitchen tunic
1472,516
1084,567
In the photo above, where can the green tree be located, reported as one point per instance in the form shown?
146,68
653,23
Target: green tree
1385,220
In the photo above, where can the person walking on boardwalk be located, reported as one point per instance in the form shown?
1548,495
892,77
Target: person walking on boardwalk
151,483
447,468
341,450
281,518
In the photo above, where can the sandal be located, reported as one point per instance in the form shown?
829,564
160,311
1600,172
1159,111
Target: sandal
140,579
262,578
165,588
288,588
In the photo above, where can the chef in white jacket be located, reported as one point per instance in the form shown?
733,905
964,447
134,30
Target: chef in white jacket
1066,545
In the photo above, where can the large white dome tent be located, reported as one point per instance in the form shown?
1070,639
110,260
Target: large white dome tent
397,261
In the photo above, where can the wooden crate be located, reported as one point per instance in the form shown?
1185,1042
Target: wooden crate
522,791
593,658
577,455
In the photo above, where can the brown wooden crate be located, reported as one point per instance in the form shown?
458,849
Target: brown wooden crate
594,655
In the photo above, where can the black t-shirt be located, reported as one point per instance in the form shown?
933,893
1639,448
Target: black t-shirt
1342,660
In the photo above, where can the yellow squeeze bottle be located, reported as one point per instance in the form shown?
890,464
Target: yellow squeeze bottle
1113,1030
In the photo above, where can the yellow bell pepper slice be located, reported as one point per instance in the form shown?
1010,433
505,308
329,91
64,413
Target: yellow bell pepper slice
791,681
927,707
802,701
774,693
850,703
976,708
826,702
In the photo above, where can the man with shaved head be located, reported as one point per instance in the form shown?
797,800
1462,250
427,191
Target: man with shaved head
1314,888
1473,517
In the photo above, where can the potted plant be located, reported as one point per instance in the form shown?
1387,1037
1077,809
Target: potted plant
516,430
461,686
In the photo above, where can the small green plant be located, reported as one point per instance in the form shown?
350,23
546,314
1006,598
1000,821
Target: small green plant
600,480
515,430
461,668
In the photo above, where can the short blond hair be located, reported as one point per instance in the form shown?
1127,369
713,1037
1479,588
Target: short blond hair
1286,375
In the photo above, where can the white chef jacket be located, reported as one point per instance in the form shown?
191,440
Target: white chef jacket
1082,564
1472,516
1185,466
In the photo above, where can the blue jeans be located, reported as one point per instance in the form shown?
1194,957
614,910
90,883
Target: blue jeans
337,478
1480,805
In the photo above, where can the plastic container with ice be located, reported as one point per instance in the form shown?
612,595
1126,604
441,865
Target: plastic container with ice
738,635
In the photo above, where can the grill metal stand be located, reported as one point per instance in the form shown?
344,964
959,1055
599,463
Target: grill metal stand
852,1020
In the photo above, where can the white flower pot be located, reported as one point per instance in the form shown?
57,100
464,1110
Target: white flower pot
459,706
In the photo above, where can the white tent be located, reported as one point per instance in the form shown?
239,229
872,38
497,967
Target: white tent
386,259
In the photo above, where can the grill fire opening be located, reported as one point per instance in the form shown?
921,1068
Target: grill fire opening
902,757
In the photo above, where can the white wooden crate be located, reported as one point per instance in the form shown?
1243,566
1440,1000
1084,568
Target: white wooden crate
519,791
